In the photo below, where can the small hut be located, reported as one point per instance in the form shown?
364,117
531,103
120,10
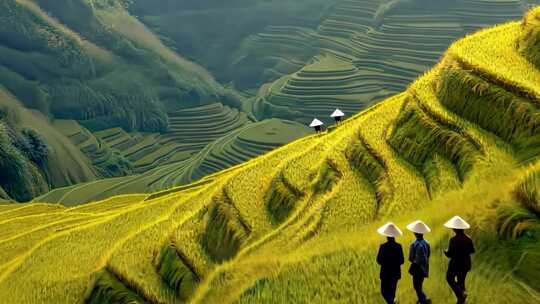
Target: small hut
337,115
317,124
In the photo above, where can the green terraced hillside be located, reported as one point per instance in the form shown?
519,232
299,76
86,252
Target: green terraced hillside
251,140
190,131
298,225
190,27
201,141
386,44
124,79
103,156
128,101
316,90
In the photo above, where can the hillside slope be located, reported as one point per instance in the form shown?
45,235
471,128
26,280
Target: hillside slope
364,51
346,54
34,157
231,148
111,74
298,224
189,27
95,71
71,60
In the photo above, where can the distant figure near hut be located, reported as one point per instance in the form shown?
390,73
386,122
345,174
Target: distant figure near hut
419,257
459,252
337,115
390,257
317,124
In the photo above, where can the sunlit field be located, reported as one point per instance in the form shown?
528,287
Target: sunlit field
298,224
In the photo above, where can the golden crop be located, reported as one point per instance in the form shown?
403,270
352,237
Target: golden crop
298,224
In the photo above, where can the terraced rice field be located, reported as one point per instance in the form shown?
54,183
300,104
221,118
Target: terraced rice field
103,157
201,125
233,148
298,224
388,46
190,131
361,52
317,90
143,149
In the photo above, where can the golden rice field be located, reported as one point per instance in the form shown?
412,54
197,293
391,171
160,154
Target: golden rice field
297,225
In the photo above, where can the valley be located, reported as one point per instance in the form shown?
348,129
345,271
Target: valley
190,108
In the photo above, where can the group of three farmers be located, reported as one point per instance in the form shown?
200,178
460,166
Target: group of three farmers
390,257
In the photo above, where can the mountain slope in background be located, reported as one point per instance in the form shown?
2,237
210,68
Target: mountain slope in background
298,224
345,54
365,51
126,100
190,27
34,156
369,49
94,62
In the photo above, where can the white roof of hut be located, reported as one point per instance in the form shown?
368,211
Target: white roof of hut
337,113
316,123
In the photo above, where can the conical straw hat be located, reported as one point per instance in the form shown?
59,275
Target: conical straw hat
389,229
316,123
337,113
457,223
418,227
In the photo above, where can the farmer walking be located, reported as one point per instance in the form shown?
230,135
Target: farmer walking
419,257
459,252
390,257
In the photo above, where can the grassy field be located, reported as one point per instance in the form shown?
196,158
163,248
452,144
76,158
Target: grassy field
298,224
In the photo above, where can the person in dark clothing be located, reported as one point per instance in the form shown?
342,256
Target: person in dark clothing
419,254
459,252
390,257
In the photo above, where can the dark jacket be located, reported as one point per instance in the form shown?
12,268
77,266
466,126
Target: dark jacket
390,257
419,254
459,251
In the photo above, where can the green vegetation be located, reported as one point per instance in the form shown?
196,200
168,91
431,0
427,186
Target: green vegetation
282,199
33,155
371,166
109,289
114,71
364,51
225,231
244,143
178,274
298,224
71,61
106,160
528,192
530,39
189,28
518,221
515,120
416,137
20,178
